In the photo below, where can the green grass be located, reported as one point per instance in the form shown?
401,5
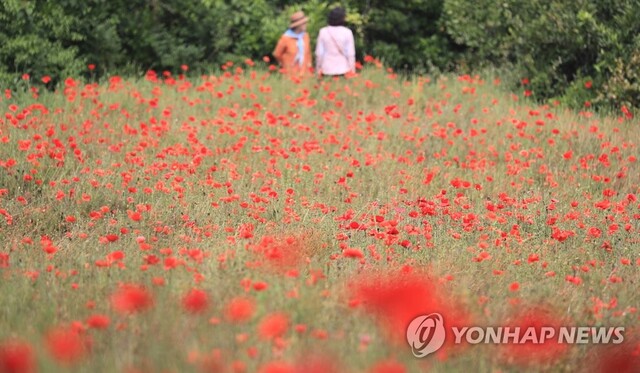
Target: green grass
338,147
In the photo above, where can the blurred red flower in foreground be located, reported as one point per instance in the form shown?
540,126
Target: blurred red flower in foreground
530,353
397,297
273,326
16,357
98,321
67,345
4,260
195,301
131,298
622,358
239,309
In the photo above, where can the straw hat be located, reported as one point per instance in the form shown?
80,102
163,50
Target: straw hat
298,19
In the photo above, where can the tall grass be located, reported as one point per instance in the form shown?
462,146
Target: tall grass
479,183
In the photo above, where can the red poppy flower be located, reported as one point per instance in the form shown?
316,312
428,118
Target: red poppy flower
539,351
17,357
195,301
273,326
239,309
131,298
98,321
66,345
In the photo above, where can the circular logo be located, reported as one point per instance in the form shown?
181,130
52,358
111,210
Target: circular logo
426,334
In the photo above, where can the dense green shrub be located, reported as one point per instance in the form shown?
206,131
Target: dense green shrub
166,34
409,35
577,52
558,46
482,28
37,38
623,85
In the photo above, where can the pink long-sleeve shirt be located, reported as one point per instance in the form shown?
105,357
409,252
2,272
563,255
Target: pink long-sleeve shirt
335,51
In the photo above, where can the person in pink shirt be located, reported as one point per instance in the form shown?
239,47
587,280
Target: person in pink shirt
335,48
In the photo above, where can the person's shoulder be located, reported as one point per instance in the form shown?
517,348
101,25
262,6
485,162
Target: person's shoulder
343,29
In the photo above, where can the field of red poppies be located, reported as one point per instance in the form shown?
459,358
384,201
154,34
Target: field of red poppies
247,222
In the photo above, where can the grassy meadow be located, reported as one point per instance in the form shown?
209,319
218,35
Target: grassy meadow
247,222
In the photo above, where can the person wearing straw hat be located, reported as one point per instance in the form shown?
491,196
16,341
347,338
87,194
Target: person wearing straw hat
335,48
293,51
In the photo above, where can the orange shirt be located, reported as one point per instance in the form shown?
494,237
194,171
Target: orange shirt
287,49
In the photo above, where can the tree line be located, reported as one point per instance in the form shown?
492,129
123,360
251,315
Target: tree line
578,52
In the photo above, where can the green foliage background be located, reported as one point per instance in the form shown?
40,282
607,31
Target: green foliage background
559,46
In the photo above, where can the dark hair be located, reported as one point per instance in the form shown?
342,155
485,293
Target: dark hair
337,16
